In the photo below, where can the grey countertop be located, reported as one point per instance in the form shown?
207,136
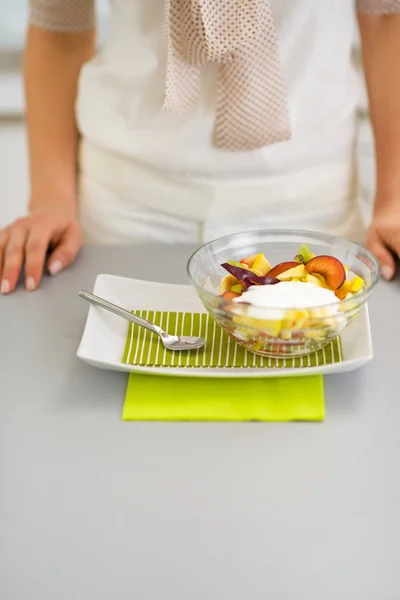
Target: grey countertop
94,508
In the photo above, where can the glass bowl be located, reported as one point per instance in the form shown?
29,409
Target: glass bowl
301,331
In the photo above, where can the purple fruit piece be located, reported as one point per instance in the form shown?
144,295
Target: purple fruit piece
247,277
267,280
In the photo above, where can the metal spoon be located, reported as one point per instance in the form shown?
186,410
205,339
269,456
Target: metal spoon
171,342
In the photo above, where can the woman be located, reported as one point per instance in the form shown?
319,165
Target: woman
196,121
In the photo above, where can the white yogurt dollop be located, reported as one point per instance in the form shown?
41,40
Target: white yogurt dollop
286,295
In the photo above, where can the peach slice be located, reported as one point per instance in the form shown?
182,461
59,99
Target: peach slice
230,295
350,286
261,265
249,261
330,267
342,292
285,266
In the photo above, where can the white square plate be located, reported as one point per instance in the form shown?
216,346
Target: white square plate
104,337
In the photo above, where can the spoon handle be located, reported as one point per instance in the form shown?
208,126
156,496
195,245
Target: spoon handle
118,310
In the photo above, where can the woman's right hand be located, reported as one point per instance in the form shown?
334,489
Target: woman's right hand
28,241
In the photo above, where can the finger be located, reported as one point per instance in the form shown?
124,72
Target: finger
13,256
391,239
66,251
3,243
35,254
385,257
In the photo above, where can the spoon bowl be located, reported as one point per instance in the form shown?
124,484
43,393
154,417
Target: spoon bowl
171,342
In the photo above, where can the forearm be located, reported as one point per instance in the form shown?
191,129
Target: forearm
380,36
52,64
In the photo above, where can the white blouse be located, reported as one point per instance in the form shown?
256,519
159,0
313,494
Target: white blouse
121,91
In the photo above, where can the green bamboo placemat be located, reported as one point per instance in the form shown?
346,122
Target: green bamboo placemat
145,349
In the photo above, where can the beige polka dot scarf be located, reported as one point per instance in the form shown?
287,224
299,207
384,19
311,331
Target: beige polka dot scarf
240,37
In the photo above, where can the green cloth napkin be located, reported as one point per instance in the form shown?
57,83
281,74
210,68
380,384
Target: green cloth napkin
145,349
158,398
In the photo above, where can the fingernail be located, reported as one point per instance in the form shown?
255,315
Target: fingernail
387,272
55,267
5,286
30,284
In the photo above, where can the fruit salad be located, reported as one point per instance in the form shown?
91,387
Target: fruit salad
296,299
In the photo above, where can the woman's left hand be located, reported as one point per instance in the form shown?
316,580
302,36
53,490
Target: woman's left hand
383,238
